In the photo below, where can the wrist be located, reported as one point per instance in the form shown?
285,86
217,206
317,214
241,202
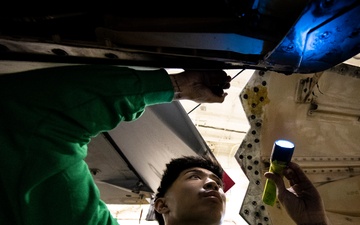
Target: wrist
175,83
177,90
180,89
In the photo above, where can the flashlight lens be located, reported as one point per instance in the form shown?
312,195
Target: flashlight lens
284,144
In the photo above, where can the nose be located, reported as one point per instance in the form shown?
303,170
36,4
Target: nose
211,184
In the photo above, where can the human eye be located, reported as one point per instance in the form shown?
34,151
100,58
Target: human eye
194,176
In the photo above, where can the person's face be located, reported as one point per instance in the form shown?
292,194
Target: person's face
196,196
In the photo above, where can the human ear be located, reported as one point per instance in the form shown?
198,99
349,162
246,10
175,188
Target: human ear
160,206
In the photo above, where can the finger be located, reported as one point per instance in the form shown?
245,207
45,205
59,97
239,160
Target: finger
217,99
221,74
217,91
290,175
279,182
297,174
225,86
216,78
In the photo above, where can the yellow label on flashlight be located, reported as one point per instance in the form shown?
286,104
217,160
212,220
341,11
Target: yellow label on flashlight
269,194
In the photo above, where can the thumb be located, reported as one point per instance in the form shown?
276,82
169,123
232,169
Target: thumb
278,180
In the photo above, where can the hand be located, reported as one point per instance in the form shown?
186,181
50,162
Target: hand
302,201
201,85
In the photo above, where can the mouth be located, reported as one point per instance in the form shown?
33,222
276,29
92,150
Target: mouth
214,195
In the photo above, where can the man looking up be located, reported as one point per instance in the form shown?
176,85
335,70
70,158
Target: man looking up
191,193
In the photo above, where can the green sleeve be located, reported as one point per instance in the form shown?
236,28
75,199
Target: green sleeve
47,118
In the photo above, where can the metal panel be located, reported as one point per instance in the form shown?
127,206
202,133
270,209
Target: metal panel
128,162
284,36
161,133
326,138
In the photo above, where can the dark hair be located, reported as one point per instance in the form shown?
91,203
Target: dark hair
176,166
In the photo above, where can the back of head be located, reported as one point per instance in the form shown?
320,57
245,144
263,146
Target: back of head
176,166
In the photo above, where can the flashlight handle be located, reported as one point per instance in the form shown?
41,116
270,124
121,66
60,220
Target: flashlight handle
269,193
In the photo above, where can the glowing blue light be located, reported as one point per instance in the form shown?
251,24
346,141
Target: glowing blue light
284,144
324,35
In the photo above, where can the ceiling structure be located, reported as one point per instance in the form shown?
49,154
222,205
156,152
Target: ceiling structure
298,36
287,44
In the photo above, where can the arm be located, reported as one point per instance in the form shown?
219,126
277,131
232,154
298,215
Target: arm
47,118
108,92
302,201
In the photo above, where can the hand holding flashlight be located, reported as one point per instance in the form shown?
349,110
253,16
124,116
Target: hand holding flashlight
280,156
301,200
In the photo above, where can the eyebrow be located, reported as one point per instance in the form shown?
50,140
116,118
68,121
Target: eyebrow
211,175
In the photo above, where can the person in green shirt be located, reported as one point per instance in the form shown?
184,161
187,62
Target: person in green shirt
48,116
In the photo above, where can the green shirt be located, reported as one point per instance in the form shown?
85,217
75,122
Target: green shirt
47,118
